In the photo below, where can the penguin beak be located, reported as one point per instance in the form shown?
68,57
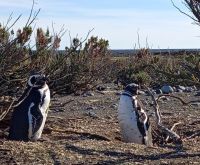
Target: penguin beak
45,79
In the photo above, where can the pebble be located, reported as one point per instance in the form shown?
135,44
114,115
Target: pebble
92,114
188,89
196,104
115,106
88,93
197,93
179,90
180,87
141,92
166,89
101,88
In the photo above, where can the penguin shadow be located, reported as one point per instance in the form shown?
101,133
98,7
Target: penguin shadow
59,106
55,158
80,136
121,156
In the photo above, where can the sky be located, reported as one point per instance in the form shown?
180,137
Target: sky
157,23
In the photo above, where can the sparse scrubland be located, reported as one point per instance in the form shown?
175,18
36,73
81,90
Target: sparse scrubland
85,80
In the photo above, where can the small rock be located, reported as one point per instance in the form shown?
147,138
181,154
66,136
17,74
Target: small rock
180,87
91,114
88,93
196,104
166,89
101,88
195,88
189,89
141,92
115,106
197,93
179,90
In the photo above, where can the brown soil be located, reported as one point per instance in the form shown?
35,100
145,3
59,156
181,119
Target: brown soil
84,130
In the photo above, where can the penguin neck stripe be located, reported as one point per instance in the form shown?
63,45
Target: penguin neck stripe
127,94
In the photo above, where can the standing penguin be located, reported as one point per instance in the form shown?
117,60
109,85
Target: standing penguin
133,120
30,114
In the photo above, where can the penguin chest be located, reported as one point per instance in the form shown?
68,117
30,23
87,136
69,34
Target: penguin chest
45,100
128,121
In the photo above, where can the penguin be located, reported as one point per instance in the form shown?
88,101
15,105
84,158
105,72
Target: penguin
30,113
133,120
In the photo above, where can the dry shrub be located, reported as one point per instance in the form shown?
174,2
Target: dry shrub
83,68
75,69
149,69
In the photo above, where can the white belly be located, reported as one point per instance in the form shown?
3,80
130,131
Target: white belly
38,134
128,122
44,111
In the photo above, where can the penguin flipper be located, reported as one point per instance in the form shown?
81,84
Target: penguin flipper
36,120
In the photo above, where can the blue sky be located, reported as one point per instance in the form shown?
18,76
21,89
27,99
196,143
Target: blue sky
156,21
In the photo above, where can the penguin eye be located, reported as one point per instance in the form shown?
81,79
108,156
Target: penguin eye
33,80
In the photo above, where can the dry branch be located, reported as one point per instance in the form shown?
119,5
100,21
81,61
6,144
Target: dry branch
175,124
194,8
176,97
193,135
2,116
170,133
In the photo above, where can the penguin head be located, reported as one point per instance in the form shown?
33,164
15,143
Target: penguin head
37,80
132,89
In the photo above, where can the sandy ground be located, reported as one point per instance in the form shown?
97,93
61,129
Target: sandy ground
84,130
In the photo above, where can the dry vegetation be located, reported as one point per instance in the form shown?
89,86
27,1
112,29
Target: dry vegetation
84,130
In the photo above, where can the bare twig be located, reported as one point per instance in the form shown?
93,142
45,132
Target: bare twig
30,21
193,135
70,52
15,22
138,37
170,133
176,97
183,12
2,116
175,124
9,19
30,15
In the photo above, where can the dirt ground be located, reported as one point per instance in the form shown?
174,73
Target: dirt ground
84,129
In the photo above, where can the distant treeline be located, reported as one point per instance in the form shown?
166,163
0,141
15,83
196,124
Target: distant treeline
130,52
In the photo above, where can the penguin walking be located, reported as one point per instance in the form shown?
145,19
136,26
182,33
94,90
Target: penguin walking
30,114
133,120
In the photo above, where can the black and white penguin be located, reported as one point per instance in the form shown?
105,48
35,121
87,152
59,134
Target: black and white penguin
133,120
30,114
